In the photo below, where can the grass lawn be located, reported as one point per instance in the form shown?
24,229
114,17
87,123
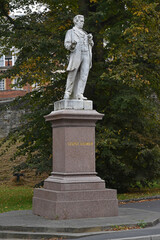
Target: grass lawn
15,198
141,193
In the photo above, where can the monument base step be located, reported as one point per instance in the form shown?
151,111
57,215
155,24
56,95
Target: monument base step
75,204
74,183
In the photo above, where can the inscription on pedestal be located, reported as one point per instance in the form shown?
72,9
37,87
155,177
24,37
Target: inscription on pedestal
80,143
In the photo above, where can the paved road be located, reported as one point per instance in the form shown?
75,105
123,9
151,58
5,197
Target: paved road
153,206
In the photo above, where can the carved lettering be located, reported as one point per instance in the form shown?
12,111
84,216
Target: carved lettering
80,143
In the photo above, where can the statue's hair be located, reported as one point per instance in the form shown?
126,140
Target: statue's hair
76,18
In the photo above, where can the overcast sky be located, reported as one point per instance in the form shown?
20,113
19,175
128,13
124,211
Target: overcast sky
33,8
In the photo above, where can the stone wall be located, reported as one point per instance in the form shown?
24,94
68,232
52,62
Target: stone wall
9,118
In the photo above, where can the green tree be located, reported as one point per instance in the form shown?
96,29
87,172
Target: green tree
124,76
128,141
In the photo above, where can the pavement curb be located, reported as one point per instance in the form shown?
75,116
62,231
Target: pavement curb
77,230
30,235
152,237
40,235
20,232
25,225
157,197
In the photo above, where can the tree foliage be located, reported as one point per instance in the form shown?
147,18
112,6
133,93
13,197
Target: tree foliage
124,77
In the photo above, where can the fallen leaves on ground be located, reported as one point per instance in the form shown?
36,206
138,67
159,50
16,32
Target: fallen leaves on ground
121,228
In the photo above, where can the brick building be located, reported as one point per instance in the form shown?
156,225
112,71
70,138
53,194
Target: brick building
7,92
9,117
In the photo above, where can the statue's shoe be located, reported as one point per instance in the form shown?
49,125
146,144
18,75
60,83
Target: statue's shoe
81,97
66,95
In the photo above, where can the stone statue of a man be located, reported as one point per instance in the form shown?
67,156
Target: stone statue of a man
80,44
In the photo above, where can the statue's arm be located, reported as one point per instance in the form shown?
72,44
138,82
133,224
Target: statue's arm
91,43
68,42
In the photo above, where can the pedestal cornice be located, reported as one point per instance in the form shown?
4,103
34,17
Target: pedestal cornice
74,114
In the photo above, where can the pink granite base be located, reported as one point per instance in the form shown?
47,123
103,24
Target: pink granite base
75,204
75,196
74,190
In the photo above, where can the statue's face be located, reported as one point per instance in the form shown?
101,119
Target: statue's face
80,23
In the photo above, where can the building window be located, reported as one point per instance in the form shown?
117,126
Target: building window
8,59
14,58
2,62
2,84
16,87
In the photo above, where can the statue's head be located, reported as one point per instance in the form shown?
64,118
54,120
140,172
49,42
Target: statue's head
78,21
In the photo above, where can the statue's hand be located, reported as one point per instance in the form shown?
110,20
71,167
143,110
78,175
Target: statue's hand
90,39
73,45
90,36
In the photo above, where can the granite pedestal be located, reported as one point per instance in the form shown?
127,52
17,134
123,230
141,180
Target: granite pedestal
74,190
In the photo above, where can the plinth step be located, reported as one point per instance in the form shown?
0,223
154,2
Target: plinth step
75,195
75,209
73,104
